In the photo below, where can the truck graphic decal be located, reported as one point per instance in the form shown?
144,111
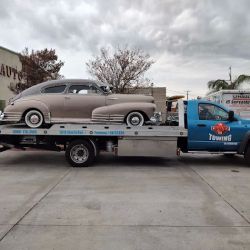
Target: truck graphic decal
72,132
24,131
220,128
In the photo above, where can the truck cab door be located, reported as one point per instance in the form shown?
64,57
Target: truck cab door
212,130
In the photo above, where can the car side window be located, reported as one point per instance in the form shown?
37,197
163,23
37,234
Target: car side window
83,89
54,89
212,112
93,89
78,89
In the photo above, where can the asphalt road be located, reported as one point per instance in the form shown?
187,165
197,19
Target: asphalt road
191,202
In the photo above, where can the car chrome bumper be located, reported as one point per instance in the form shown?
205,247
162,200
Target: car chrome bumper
10,116
156,118
1,115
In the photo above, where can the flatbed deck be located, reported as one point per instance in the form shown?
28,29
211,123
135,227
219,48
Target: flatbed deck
83,142
94,130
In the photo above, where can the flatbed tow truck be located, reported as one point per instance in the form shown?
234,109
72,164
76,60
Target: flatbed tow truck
82,143
203,127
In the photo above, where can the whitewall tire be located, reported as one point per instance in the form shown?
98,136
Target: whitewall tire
135,119
33,119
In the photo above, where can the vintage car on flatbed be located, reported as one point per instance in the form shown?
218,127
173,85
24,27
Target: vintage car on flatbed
78,101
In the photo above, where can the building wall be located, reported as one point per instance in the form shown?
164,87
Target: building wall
10,68
159,94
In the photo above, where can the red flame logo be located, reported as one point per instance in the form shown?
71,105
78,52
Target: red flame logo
220,128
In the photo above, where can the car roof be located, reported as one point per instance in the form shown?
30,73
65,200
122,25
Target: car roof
37,88
64,81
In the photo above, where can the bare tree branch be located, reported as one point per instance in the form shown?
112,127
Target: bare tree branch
123,70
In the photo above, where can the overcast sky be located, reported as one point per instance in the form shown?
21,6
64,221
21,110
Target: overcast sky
192,41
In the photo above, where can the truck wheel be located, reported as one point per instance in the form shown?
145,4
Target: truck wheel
80,153
247,155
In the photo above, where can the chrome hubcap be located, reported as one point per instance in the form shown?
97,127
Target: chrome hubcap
79,154
34,119
135,120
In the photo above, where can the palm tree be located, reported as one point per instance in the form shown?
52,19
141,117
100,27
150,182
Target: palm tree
220,84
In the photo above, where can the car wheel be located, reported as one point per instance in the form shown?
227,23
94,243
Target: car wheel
135,119
33,119
80,153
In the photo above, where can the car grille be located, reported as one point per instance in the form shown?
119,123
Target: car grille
12,116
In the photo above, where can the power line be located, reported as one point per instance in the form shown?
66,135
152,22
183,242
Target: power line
175,91
183,92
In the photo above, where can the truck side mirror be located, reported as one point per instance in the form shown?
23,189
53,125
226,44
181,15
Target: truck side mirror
231,116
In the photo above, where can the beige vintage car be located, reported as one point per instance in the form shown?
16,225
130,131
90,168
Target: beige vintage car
77,101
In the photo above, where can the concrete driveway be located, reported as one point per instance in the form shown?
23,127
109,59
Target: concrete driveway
191,202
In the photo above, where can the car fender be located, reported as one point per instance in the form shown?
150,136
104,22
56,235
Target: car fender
21,106
121,110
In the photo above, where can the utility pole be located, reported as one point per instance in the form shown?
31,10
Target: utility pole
152,88
230,74
188,91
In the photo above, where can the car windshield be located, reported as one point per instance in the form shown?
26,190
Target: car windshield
104,87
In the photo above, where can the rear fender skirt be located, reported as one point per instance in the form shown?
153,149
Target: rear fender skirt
118,112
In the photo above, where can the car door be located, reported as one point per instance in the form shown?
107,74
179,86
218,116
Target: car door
81,100
53,97
212,131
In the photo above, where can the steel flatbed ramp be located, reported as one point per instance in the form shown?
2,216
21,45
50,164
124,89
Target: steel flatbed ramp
95,130
82,142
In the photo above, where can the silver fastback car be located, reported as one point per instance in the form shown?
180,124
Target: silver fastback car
77,101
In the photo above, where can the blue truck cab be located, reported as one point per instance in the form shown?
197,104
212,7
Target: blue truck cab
213,128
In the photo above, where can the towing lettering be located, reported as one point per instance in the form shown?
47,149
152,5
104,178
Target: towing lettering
219,138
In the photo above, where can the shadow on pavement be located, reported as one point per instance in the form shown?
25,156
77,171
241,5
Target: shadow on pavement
213,160
38,159
34,159
111,160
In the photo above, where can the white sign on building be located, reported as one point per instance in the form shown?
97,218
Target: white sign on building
236,100
10,72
